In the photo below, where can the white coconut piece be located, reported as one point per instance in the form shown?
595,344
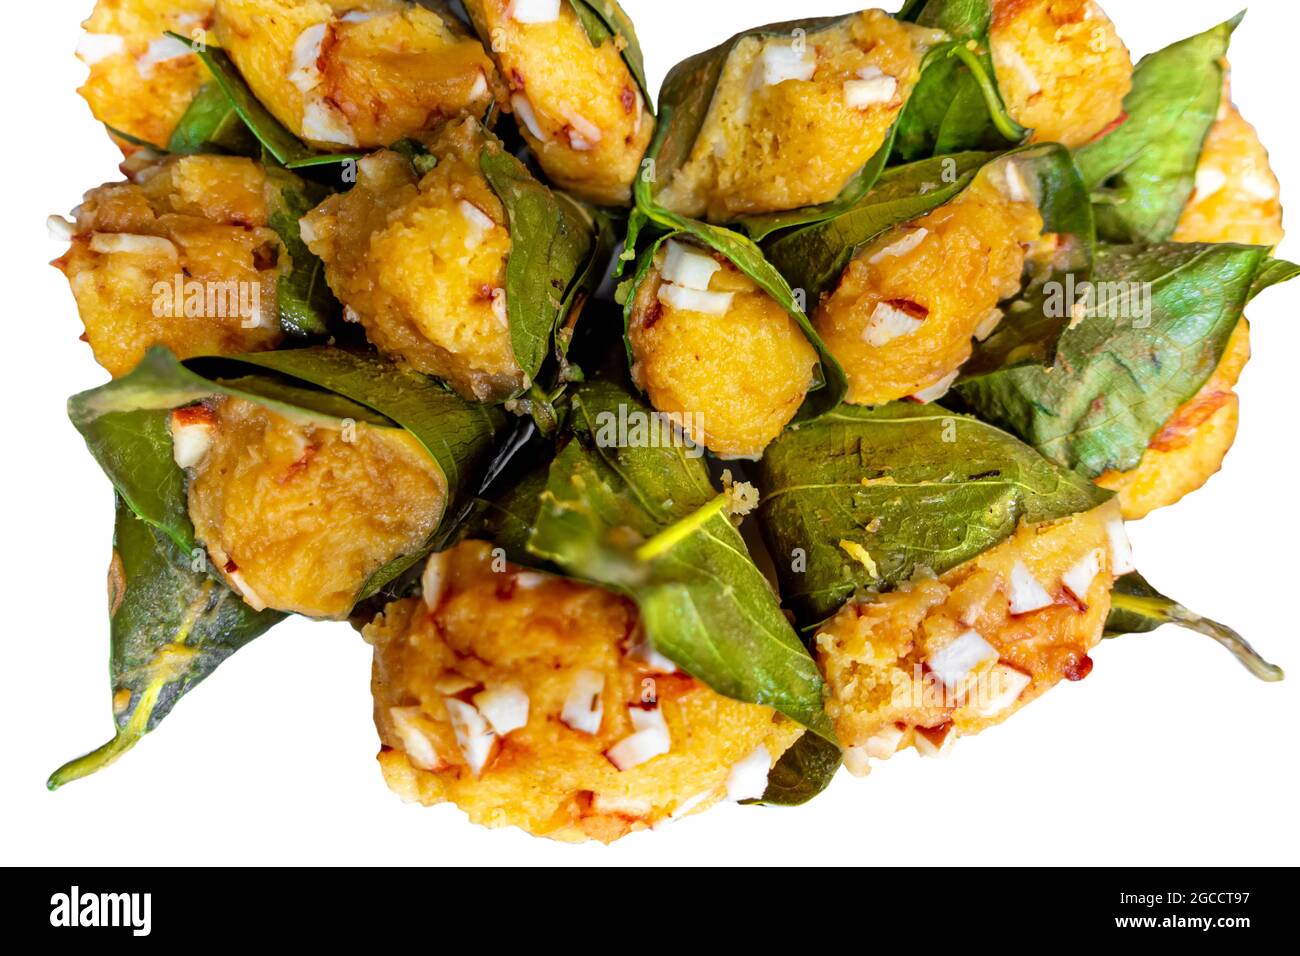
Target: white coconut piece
695,300
584,706
686,267
504,706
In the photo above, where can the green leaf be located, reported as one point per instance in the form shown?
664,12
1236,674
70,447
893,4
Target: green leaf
211,125
603,19
125,424
1138,608
307,306
960,18
647,522
133,140
288,150
917,487
171,627
955,107
1143,172
803,771
553,241
1162,318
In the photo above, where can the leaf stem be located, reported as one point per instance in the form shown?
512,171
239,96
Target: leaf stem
1164,610
1009,128
125,738
679,531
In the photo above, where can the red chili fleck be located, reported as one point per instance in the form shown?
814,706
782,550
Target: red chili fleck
516,79
1110,127
231,567
652,315
628,99
914,309
1079,669
296,468
935,735
506,587
194,415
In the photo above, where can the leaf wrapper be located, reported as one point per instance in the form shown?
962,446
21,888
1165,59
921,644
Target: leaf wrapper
956,107
1143,172
288,150
171,627
556,245
603,19
1160,321
1138,608
916,487
125,424
212,125
703,602
803,771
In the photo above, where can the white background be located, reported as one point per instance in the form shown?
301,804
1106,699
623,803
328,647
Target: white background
1169,753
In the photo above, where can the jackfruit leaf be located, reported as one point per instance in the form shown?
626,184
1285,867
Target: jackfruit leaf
684,102
965,19
829,381
1160,318
171,626
212,125
1143,172
307,306
802,772
132,140
641,517
1138,608
955,107
125,424
553,240
604,19
908,488
288,150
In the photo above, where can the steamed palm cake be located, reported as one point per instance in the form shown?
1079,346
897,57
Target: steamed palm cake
795,118
948,656
1237,199
532,701
577,105
909,305
420,262
1061,67
356,73
297,513
712,349
197,223
141,82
